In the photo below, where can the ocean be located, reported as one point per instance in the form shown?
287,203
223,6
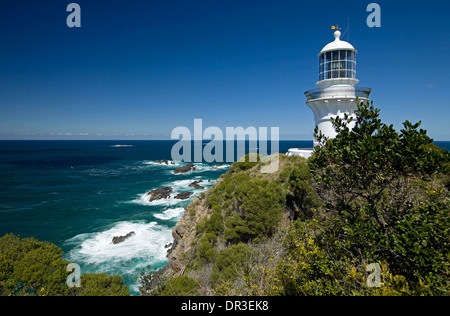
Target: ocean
80,194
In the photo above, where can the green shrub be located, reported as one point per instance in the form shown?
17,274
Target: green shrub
215,223
101,285
32,267
372,182
180,286
420,244
229,262
206,252
252,208
246,163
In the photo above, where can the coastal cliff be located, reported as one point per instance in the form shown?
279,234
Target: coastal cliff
244,205
184,234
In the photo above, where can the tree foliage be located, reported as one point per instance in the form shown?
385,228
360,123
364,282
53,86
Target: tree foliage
32,267
229,263
100,284
375,184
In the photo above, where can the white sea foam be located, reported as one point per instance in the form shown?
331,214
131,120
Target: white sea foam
181,184
202,167
121,146
158,163
173,213
216,167
148,242
143,199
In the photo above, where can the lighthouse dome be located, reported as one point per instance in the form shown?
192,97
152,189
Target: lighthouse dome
337,61
337,44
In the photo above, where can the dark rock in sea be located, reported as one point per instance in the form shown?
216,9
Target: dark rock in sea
119,239
184,169
184,195
196,185
160,193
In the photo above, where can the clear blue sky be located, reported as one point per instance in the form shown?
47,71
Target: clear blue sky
137,69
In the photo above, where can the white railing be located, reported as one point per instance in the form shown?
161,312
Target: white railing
338,92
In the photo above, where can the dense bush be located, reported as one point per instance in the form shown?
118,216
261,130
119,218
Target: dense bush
180,286
32,267
206,252
246,163
229,263
382,200
101,285
250,208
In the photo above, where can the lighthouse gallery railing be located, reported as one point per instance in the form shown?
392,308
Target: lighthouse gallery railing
354,92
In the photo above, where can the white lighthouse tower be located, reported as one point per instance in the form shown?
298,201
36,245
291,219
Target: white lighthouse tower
337,92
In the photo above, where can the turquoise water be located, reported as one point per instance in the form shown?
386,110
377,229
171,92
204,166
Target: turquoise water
80,194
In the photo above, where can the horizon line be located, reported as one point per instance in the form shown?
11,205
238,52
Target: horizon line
141,140
150,140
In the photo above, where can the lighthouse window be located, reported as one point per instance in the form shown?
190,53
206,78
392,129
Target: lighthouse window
348,56
349,65
335,55
337,64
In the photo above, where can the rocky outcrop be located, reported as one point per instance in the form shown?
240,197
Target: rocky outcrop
184,195
196,185
160,193
185,169
120,239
